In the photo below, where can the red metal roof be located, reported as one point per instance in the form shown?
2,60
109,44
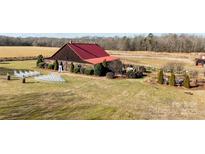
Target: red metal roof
88,51
101,59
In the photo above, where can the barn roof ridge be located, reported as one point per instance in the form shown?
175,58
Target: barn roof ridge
84,43
88,52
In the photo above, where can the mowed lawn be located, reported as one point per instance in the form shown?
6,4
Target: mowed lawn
15,51
81,97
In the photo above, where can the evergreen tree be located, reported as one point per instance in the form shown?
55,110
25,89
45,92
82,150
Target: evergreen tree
56,64
40,59
172,79
98,69
160,77
71,67
186,82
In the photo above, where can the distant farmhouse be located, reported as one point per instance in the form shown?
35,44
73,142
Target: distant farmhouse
84,54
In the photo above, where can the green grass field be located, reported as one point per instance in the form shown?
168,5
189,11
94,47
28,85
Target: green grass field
81,97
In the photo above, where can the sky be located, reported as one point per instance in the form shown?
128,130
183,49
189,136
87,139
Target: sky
78,35
67,35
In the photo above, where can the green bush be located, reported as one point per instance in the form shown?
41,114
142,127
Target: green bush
172,80
50,66
46,65
77,70
98,69
89,71
82,70
41,65
131,74
72,67
101,69
160,77
186,82
104,64
110,75
56,64
40,59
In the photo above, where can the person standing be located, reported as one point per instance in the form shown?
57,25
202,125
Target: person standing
60,68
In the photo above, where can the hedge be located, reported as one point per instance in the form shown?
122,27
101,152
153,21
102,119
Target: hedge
89,71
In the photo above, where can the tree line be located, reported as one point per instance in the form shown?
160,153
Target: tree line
150,42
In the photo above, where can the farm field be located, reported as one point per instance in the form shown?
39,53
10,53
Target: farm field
12,51
84,97
159,59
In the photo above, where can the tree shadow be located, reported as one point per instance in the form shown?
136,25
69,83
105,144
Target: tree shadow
30,82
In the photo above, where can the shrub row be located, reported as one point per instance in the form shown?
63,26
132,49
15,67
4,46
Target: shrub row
89,71
53,66
80,69
98,70
172,79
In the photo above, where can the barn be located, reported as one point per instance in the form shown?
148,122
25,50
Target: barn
84,54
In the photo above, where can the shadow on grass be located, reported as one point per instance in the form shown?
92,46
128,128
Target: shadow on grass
29,82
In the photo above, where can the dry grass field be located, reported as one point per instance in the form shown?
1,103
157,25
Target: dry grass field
7,51
82,97
158,60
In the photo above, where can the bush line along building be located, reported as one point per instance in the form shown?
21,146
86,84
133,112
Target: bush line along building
84,54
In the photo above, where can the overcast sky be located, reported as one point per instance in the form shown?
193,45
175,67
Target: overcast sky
76,35
66,35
